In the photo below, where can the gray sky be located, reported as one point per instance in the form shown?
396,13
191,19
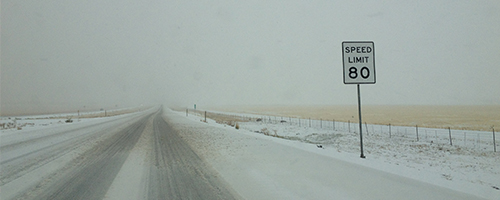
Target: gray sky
70,54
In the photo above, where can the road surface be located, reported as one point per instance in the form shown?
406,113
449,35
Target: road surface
138,156
160,154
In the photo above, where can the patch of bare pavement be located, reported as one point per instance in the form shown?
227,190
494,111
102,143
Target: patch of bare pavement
135,156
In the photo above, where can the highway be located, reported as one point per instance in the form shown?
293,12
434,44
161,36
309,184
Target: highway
160,154
135,156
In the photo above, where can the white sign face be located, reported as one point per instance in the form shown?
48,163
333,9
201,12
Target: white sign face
359,62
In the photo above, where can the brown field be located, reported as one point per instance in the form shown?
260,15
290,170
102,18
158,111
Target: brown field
455,117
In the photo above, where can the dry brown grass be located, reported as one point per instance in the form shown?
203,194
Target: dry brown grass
456,117
220,118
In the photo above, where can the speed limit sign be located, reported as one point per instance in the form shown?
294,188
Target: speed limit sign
359,62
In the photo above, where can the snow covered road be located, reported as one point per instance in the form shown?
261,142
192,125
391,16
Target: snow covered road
135,156
161,154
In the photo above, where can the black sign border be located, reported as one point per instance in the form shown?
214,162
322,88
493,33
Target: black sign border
343,63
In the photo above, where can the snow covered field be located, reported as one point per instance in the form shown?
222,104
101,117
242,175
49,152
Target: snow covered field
10,123
460,168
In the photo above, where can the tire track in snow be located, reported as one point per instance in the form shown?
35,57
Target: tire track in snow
177,172
92,180
81,169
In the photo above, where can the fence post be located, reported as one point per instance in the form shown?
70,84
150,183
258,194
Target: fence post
449,131
299,121
205,116
320,123
416,128
333,124
186,112
389,130
366,128
309,122
494,142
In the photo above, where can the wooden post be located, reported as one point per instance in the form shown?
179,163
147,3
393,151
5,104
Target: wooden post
366,127
320,123
205,116
389,130
186,112
494,142
449,131
333,124
416,129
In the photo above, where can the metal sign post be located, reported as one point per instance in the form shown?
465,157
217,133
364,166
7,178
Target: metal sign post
359,68
360,124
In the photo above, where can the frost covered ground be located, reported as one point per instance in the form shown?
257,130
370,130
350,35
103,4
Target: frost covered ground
31,122
11,124
471,167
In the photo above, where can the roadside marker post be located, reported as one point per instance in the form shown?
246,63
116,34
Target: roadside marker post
358,58
494,142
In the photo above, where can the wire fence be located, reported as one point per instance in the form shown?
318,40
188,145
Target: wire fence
477,140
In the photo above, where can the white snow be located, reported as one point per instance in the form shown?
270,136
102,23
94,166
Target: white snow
131,180
466,169
42,127
289,165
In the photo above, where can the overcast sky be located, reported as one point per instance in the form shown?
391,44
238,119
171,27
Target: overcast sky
70,54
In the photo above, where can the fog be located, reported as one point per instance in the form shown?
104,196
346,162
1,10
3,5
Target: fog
77,55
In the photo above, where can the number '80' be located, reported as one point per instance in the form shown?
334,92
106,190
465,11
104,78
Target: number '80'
364,72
